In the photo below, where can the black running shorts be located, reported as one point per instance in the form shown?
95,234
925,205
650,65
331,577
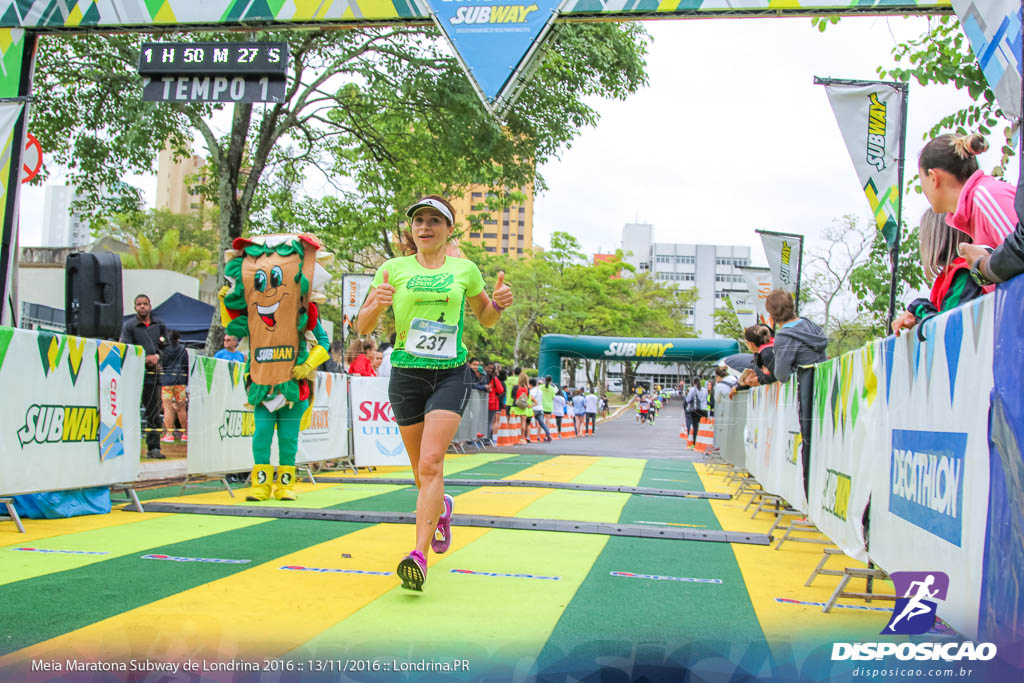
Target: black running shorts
414,392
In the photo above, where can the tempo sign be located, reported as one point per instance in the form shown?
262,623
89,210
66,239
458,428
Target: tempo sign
213,72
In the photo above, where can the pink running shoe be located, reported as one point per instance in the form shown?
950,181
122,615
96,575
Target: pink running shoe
443,533
413,571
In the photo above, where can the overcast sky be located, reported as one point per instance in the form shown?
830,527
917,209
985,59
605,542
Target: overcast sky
730,135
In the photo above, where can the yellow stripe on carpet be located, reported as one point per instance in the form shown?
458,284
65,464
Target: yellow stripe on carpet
771,574
266,611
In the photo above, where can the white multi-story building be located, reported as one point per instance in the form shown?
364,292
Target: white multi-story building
61,227
711,268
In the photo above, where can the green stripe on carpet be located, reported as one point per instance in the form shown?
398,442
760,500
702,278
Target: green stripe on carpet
492,619
664,614
103,589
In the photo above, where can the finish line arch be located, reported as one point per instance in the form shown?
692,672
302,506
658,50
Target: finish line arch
554,347
23,21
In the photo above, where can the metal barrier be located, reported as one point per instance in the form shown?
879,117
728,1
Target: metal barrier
473,428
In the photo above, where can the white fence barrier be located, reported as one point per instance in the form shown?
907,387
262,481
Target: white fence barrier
901,423
52,412
220,425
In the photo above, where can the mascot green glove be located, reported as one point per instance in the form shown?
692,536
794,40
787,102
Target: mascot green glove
274,283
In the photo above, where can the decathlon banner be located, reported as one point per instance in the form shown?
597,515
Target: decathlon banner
759,282
49,440
375,436
495,40
930,496
848,436
220,424
119,393
994,30
773,441
870,117
326,437
784,252
730,421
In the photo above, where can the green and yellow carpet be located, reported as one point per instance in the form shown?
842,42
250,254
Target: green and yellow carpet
319,600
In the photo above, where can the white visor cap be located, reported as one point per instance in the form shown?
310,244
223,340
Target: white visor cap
433,204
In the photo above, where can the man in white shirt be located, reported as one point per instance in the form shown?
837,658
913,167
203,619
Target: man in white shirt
590,415
538,410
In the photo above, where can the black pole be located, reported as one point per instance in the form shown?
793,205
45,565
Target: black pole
894,253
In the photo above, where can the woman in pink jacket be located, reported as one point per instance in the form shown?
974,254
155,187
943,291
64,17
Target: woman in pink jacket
977,203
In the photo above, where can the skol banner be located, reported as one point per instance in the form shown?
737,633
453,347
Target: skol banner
784,252
994,29
930,493
773,441
870,117
848,435
50,435
375,436
759,282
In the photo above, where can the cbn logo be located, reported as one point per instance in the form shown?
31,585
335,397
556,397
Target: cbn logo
59,424
493,14
876,132
274,354
237,423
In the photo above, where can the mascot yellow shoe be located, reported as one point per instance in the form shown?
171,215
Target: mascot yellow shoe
262,478
284,482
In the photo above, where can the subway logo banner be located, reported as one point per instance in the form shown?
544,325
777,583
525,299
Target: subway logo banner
496,41
221,424
50,438
870,119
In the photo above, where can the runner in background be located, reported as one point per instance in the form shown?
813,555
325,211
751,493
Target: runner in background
430,380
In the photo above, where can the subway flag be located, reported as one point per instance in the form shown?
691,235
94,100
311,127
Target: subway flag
871,120
784,252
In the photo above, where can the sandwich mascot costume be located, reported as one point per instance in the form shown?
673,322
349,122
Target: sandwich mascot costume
274,284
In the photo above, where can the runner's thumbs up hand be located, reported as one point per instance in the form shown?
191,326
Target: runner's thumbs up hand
502,292
385,292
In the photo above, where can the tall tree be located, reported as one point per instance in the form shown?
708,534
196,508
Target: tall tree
847,243
385,114
870,281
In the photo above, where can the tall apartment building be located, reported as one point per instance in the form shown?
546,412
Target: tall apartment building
61,227
712,269
508,231
172,189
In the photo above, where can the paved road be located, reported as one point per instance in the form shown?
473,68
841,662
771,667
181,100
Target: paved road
623,438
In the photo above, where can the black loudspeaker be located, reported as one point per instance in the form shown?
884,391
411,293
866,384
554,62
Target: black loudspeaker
93,305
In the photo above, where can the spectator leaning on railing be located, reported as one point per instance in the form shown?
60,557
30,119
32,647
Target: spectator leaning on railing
799,344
